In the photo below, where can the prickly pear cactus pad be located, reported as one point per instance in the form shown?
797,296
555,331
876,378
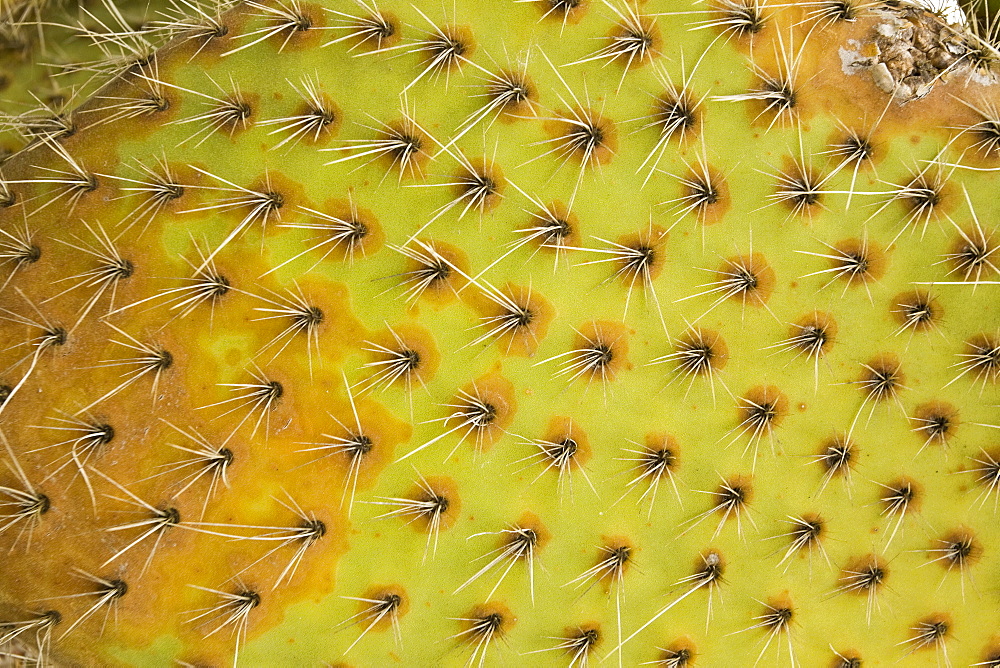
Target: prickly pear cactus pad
56,53
509,332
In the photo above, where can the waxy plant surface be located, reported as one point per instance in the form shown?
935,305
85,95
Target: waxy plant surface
505,332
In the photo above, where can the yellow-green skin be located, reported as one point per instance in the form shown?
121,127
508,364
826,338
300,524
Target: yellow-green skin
312,621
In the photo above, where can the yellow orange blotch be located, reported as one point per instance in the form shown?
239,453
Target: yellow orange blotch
91,383
340,333
66,545
258,343
313,579
161,389
170,573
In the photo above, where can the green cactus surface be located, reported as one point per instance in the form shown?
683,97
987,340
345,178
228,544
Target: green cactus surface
508,332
